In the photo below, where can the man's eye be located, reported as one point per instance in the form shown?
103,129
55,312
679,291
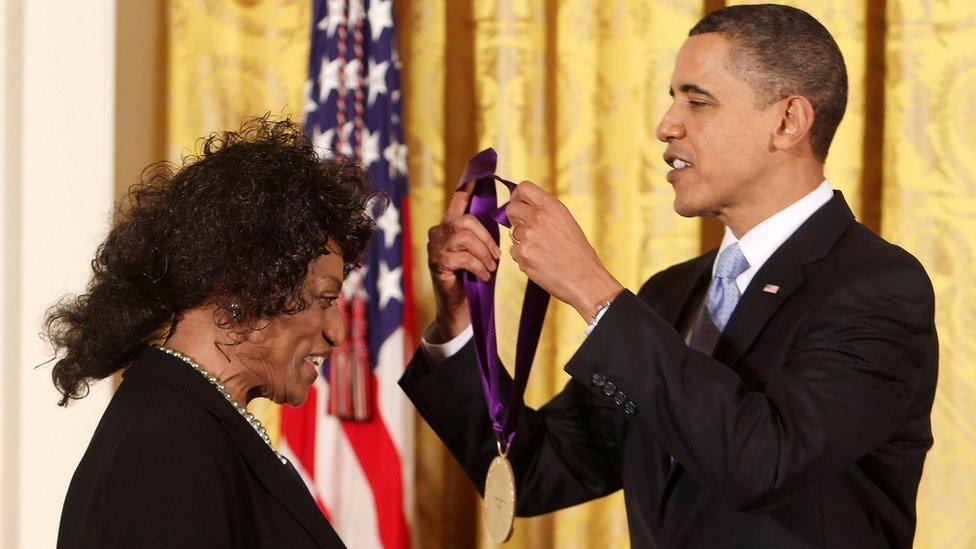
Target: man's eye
696,103
328,300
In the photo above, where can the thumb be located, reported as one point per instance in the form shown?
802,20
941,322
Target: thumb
459,201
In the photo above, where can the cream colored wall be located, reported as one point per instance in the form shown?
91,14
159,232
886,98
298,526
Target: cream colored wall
57,147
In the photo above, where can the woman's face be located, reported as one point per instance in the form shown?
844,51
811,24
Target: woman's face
287,355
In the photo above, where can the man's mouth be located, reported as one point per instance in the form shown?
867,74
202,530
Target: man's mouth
315,360
677,162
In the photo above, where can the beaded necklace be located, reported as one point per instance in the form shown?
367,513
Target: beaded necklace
254,422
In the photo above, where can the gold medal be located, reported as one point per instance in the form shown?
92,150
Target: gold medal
500,499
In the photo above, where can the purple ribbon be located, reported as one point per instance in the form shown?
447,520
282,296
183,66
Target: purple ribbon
481,306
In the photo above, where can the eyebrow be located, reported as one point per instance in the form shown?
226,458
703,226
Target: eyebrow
692,88
333,281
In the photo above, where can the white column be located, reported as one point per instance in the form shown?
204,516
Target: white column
56,149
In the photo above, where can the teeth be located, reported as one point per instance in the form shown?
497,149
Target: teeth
680,164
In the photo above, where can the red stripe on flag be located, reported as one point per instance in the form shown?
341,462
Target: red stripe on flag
380,462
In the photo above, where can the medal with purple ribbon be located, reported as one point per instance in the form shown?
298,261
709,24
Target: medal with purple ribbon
500,482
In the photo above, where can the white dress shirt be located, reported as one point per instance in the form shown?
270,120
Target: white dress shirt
757,246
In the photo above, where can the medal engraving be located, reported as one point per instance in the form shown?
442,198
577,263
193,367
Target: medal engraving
500,500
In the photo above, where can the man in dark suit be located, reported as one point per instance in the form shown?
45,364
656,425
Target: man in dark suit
775,392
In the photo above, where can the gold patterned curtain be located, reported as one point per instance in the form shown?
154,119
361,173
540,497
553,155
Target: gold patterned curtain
929,207
231,59
569,93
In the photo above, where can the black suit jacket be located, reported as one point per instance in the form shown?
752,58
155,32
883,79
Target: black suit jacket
807,428
172,464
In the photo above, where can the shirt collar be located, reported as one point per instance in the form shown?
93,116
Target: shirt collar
764,239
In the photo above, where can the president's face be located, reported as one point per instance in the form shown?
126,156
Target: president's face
718,135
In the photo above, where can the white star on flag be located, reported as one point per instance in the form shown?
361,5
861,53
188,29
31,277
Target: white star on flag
328,78
370,147
389,224
322,142
388,284
380,17
355,286
396,155
377,79
309,104
336,17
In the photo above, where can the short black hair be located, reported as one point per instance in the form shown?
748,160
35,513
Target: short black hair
786,51
235,227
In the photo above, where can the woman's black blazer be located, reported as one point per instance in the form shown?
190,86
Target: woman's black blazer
172,464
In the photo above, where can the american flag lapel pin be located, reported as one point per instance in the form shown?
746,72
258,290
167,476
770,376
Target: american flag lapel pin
771,288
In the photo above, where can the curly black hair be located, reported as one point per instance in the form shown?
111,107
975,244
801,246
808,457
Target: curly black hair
235,227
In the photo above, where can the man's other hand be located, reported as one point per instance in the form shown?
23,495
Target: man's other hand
458,243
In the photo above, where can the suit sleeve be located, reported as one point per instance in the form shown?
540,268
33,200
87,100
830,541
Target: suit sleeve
565,453
164,491
859,357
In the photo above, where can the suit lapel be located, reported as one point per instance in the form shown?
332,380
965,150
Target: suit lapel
279,480
780,277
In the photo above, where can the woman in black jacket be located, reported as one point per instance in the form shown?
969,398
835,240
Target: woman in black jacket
216,285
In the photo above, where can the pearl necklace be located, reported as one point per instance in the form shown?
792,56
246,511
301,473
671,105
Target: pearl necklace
254,422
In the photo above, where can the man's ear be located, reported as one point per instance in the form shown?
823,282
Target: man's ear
795,122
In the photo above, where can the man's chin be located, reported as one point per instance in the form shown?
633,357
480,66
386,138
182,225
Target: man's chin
687,210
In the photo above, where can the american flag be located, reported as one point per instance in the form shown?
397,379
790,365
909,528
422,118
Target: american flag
353,440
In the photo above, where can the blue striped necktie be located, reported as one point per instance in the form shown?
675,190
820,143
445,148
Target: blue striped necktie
723,295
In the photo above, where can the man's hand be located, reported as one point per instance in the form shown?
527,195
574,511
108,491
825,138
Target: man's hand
458,243
552,250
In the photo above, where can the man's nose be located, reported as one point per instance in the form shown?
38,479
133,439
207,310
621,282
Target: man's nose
669,128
